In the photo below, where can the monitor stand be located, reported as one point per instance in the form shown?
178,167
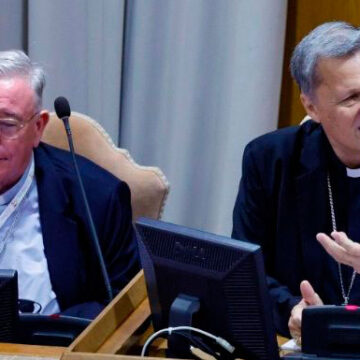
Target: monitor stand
181,314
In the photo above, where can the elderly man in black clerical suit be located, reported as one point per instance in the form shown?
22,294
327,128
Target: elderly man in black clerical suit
300,187
44,233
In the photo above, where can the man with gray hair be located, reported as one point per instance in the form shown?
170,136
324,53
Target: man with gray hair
301,184
43,228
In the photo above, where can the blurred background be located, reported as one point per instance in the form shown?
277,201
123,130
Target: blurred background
182,84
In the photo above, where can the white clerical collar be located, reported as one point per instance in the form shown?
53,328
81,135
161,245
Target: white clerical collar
353,173
8,195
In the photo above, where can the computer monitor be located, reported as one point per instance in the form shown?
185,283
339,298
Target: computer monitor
8,305
225,276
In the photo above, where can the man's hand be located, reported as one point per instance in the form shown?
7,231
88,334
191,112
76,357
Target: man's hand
343,249
309,297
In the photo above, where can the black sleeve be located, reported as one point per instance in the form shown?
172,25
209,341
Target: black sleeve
253,221
121,251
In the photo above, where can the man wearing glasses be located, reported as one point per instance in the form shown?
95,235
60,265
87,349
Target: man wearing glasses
43,229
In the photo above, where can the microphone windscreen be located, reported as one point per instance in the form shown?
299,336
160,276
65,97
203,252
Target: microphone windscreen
62,107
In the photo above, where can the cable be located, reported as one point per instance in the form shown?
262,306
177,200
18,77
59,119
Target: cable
203,346
220,341
200,354
195,340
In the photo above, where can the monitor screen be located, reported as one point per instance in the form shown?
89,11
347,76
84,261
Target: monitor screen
225,276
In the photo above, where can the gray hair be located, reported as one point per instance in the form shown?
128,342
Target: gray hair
330,40
15,63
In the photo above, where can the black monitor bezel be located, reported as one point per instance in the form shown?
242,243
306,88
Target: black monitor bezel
9,313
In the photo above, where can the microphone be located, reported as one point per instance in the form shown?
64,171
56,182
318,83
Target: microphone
62,109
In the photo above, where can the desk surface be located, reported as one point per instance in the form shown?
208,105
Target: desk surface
35,352
29,352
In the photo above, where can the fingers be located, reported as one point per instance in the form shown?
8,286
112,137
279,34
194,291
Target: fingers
295,320
332,248
309,295
350,246
342,249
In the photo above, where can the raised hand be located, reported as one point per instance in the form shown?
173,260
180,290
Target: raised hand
309,297
341,248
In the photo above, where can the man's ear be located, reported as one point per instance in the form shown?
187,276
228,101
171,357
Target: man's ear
309,107
40,124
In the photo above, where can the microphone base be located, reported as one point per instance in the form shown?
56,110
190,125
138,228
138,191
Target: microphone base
54,330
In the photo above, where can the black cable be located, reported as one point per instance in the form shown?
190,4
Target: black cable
203,346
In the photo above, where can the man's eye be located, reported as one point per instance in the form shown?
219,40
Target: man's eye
8,125
354,97
351,99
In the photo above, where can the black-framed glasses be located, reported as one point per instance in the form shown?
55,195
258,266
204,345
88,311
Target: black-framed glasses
10,127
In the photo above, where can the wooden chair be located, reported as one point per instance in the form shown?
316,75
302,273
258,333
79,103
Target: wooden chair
149,186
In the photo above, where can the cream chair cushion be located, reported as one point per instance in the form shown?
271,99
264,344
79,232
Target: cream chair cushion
149,186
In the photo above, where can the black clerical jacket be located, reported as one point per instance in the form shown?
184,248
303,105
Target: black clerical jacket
283,203
73,266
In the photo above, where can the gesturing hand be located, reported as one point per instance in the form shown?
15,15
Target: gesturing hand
309,297
341,248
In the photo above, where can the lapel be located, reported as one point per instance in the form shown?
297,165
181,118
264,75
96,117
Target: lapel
59,230
312,200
